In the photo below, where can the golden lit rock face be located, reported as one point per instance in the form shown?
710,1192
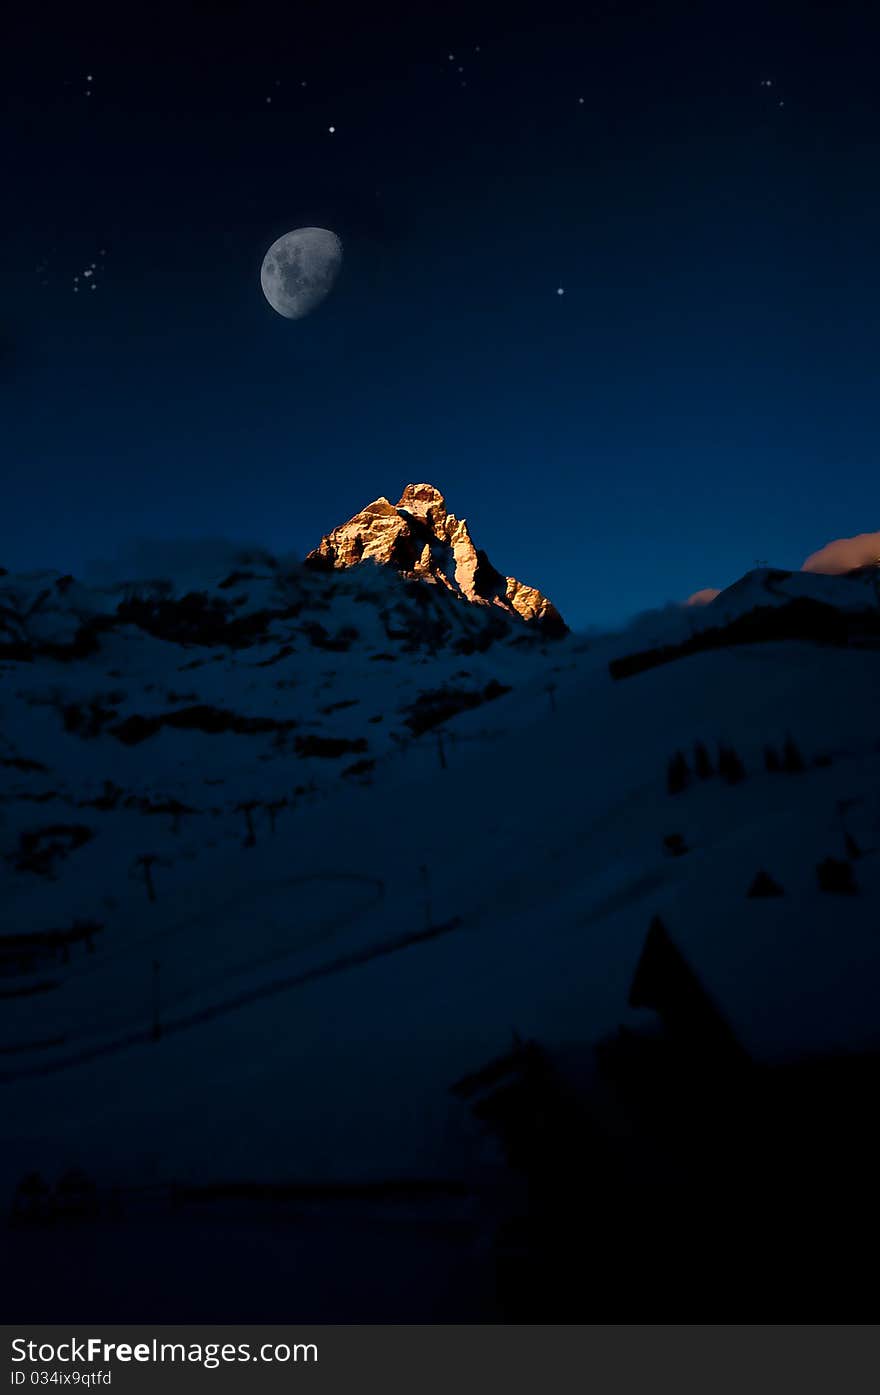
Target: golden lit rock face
420,539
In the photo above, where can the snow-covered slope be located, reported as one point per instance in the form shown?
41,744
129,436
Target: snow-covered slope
282,978
159,719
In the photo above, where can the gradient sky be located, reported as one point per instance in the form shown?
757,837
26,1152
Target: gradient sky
703,395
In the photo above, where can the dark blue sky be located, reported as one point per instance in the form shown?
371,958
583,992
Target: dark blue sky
703,394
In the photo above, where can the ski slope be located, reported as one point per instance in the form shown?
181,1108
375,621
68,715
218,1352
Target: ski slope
321,989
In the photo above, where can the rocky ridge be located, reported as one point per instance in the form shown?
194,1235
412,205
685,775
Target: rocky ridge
419,538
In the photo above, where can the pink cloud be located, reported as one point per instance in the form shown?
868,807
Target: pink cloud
844,554
703,597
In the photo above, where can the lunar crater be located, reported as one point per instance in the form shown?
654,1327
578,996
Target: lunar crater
299,271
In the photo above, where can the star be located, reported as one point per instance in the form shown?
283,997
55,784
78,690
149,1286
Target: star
560,290
331,129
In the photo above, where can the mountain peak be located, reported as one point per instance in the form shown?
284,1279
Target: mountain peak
421,540
422,500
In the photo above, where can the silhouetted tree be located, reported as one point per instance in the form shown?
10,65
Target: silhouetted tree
678,776
702,761
76,1193
730,765
792,760
772,763
852,848
836,876
764,885
32,1201
675,845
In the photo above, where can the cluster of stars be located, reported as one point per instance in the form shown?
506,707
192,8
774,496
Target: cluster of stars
459,68
89,81
768,82
87,277
303,83
268,99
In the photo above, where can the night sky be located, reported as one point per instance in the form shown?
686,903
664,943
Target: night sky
701,181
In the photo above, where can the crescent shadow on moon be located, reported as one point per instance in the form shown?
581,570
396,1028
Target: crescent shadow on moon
299,271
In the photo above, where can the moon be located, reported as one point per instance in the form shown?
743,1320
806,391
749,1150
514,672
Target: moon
299,271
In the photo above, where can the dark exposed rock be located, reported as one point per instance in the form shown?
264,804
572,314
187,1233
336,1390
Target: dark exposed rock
432,708
201,717
359,768
24,948
802,618
329,746
39,849
24,650
194,619
19,763
283,653
87,719
337,644
233,579
108,799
